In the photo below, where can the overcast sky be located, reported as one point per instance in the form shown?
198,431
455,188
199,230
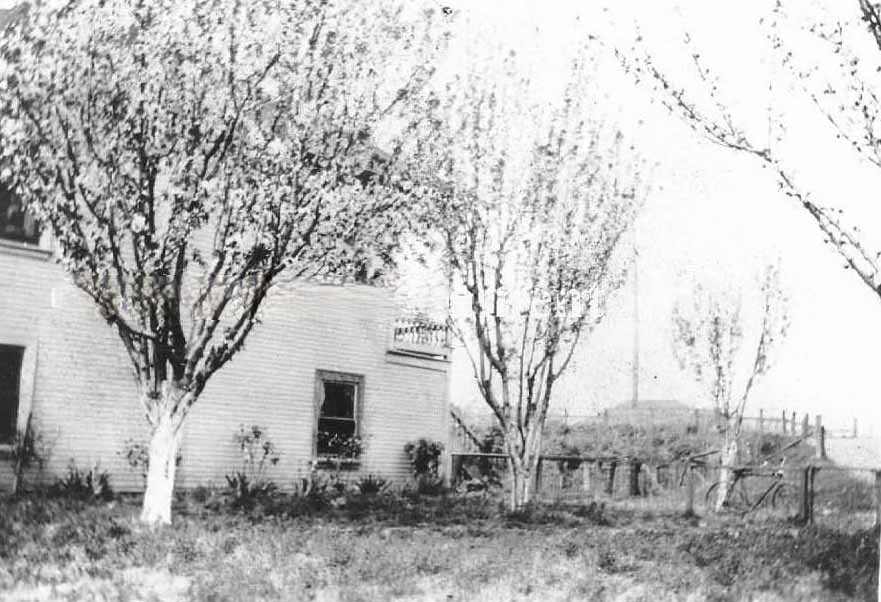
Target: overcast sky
715,215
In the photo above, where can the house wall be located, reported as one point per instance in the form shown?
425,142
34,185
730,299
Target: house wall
85,402
26,279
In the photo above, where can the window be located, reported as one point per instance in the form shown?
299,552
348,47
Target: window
10,374
15,223
338,401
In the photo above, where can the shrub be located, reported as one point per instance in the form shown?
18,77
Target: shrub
431,486
28,448
244,488
424,457
83,485
372,484
258,452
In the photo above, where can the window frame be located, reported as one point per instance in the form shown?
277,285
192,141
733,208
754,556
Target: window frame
333,376
19,237
6,441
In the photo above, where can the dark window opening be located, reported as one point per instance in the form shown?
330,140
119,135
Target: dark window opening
15,223
10,375
337,432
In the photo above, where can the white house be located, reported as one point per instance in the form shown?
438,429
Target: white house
333,359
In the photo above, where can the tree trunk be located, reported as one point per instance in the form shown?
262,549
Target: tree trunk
729,457
521,484
164,442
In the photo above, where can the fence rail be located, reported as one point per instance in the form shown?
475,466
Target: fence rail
847,495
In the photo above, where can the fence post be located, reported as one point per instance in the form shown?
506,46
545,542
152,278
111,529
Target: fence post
854,428
792,424
455,464
877,497
820,441
610,484
805,495
813,473
689,491
635,466
761,421
585,476
805,425
784,422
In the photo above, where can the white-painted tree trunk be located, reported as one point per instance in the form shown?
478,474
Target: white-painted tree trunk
524,466
164,442
521,484
726,475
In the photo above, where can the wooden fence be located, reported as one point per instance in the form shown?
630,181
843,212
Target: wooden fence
684,485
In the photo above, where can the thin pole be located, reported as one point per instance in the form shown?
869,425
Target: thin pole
635,362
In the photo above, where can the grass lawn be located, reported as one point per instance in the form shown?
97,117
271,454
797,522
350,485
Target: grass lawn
417,548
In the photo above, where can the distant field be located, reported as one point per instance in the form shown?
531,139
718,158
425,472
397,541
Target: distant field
418,548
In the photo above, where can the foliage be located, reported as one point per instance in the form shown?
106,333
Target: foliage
257,453
424,456
480,473
191,157
708,333
394,545
372,484
534,202
340,445
83,485
656,444
29,448
245,490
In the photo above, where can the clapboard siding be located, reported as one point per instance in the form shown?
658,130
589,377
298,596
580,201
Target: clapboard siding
85,398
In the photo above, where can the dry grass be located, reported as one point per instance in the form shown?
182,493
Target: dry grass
393,547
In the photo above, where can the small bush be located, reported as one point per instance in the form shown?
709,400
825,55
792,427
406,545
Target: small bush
28,449
244,489
83,485
372,484
249,483
425,457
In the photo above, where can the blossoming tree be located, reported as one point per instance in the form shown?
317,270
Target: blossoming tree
708,336
187,155
535,201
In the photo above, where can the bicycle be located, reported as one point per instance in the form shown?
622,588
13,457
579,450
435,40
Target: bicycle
775,494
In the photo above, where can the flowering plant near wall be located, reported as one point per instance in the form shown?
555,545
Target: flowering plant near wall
257,451
339,445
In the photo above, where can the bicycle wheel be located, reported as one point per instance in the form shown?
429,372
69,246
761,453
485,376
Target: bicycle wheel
779,496
711,491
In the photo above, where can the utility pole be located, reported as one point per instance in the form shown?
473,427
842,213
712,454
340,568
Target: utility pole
635,361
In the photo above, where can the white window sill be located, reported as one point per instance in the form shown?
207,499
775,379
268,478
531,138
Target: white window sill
336,461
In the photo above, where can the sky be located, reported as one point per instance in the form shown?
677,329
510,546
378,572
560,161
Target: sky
713,215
